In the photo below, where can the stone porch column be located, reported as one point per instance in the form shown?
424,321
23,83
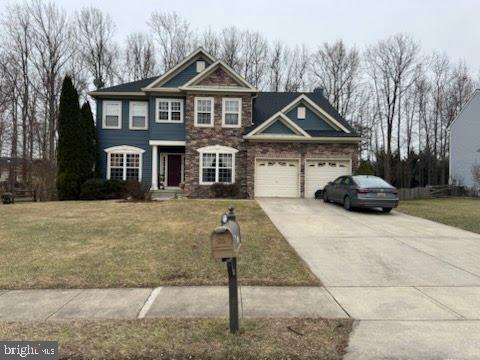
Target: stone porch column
154,167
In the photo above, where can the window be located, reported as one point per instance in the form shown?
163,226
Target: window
203,112
200,66
124,163
231,109
138,115
169,110
301,112
112,115
217,165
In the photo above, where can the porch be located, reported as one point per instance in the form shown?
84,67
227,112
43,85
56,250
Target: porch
168,164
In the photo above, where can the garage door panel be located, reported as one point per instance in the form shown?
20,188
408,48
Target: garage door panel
319,172
276,178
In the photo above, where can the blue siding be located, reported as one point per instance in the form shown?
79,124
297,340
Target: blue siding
311,122
116,137
163,131
186,74
278,128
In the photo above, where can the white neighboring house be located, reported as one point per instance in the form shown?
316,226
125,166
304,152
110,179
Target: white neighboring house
465,144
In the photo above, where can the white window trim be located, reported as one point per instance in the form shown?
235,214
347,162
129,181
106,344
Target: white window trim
104,114
212,111
169,100
130,122
125,149
216,149
224,100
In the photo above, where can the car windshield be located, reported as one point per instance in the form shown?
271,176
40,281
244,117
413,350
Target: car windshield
370,181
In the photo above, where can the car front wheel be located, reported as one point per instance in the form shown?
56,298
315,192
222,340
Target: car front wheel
347,203
386,210
325,196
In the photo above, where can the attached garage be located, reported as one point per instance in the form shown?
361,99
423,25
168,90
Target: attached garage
319,172
277,178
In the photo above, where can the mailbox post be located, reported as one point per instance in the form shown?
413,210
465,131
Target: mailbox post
226,241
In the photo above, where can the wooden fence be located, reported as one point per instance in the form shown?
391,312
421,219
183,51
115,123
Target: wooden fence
436,191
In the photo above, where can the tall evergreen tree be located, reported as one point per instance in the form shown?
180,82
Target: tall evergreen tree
89,167
68,158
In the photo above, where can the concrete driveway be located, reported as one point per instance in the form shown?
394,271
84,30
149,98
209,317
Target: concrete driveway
406,279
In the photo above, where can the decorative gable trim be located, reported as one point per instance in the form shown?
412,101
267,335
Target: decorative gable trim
178,68
279,116
316,108
244,84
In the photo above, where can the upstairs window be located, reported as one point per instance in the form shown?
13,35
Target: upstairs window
231,112
112,115
203,112
138,115
169,110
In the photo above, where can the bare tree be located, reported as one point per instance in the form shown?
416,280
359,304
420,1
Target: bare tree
254,58
94,32
173,36
337,70
277,66
52,39
139,57
298,62
231,46
210,41
391,64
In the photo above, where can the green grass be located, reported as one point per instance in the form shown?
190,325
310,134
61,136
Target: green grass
459,212
189,339
102,244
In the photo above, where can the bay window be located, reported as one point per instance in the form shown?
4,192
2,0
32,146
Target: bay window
124,163
217,165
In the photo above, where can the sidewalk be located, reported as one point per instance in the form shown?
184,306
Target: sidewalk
166,302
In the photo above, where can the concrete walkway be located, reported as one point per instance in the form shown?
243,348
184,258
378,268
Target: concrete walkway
413,284
166,302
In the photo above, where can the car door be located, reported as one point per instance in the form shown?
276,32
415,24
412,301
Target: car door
344,188
335,188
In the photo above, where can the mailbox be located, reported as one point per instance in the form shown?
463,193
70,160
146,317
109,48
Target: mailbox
226,239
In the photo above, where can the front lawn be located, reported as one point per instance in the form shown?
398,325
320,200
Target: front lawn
189,339
459,212
121,244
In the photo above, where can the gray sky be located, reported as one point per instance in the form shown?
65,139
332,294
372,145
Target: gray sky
448,26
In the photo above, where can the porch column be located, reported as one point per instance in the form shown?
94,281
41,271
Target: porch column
154,167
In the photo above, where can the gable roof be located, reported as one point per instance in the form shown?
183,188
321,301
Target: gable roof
219,64
130,87
279,116
266,104
466,105
179,67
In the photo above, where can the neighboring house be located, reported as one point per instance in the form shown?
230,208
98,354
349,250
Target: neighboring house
201,123
465,144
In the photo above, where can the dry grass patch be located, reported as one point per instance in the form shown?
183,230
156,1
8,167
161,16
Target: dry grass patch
459,212
188,339
119,244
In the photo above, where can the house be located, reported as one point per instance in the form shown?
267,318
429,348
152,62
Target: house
465,144
201,123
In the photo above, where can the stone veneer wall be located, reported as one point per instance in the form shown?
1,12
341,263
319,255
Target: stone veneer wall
297,151
198,137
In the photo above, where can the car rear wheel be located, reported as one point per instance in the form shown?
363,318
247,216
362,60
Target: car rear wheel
347,203
386,210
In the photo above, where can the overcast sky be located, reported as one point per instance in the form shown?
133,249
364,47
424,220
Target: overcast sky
450,26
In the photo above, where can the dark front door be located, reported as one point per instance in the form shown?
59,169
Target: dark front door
174,171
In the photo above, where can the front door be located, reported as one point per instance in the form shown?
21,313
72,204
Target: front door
174,170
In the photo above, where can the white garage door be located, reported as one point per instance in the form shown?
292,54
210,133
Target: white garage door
276,178
319,172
